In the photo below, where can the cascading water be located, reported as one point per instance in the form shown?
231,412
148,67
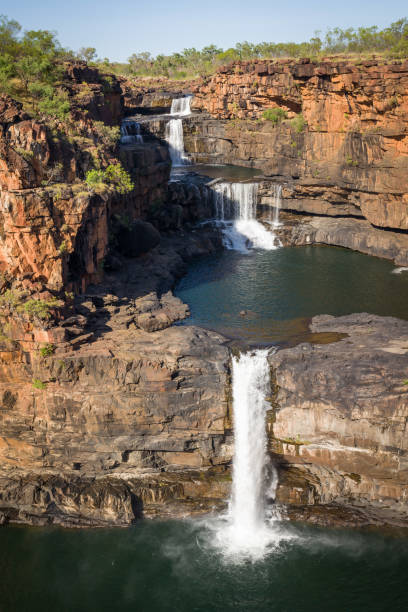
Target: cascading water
181,106
251,526
175,140
235,210
130,133
274,212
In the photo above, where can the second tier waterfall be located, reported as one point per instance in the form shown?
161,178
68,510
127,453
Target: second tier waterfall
235,209
175,140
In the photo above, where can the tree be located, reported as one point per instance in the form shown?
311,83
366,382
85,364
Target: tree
88,54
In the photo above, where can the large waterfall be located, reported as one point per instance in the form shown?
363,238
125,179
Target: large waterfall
251,526
181,106
235,209
130,133
175,140
251,382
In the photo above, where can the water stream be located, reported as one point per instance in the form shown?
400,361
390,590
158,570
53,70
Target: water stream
252,524
174,132
130,133
274,211
235,211
181,106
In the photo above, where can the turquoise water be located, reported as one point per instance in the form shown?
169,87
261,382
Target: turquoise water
280,289
170,566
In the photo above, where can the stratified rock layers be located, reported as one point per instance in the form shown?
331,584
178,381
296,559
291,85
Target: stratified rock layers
340,418
345,139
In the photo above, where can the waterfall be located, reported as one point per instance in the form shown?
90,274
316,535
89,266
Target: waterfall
175,140
181,106
235,210
130,133
250,380
253,523
274,212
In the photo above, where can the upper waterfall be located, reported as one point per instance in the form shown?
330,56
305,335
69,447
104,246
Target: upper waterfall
181,106
235,206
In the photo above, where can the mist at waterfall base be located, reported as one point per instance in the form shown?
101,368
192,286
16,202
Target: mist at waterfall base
160,566
251,525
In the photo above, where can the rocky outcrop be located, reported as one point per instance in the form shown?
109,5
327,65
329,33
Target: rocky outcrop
346,129
356,234
338,426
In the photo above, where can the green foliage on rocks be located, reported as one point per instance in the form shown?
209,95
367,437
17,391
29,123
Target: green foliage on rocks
276,115
17,302
298,123
38,384
31,68
114,175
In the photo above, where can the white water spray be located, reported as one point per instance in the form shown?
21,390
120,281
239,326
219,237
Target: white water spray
181,106
130,133
274,212
175,140
235,209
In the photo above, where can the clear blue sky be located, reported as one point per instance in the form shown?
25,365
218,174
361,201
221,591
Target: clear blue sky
118,28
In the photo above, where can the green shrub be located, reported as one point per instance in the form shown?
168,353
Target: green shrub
114,175
117,176
39,309
109,136
94,179
38,384
276,115
47,350
298,123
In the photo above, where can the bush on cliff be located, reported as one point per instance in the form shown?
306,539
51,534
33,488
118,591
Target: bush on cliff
114,175
276,115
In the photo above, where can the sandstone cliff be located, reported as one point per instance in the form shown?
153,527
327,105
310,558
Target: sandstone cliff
342,140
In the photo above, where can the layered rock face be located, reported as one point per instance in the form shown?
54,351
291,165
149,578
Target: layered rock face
339,419
345,139
54,228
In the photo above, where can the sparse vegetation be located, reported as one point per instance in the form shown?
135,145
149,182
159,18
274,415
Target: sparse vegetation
47,350
17,302
114,175
276,115
39,384
298,123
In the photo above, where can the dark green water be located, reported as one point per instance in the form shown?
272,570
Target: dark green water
170,566
281,288
226,172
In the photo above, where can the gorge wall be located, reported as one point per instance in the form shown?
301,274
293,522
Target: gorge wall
108,411
345,138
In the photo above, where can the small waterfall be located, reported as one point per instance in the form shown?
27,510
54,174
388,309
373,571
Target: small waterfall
274,212
130,133
235,209
175,140
181,106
